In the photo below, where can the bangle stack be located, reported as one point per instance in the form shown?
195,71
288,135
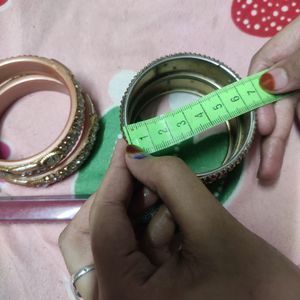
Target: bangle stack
23,75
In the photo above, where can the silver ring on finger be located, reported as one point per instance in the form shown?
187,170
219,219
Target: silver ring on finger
76,276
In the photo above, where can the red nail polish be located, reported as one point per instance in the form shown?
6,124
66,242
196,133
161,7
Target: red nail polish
132,149
267,82
135,152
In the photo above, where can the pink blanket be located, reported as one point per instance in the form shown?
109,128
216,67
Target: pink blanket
105,43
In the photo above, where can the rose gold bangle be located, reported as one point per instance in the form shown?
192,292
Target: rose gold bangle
23,75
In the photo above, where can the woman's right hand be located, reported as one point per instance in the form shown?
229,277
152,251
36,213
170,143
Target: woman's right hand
282,55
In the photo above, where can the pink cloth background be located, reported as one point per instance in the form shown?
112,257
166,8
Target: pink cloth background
97,40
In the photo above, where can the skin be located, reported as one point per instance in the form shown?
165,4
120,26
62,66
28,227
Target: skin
208,254
275,121
215,256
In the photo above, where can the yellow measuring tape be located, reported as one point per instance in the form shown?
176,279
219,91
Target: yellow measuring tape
215,108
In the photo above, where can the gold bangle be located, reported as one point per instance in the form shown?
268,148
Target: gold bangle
23,75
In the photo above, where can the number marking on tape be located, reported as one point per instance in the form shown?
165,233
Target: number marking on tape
215,108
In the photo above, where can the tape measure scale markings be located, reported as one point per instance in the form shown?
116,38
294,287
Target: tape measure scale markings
174,127
222,99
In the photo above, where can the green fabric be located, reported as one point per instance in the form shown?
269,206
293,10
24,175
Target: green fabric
91,174
204,155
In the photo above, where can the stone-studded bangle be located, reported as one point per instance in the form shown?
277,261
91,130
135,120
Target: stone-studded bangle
26,74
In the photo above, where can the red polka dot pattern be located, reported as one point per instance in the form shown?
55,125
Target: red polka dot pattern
264,18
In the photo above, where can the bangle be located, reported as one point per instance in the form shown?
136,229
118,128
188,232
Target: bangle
196,75
26,74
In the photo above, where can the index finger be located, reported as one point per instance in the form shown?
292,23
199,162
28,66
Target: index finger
115,249
279,47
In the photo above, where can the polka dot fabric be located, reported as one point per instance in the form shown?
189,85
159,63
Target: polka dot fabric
264,18
5,5
104,43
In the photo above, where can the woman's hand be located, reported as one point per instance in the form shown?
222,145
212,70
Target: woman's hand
192,248
282,55
75,246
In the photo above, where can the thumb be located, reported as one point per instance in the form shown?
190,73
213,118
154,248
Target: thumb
197,213
284,76
115,249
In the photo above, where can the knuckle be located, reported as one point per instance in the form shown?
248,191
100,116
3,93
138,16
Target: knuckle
255,58
72,235
279,139
172,161
166,165
261,60
258,59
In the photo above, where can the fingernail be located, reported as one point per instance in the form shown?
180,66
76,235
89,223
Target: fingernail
135,152
149,197
274,80
146,192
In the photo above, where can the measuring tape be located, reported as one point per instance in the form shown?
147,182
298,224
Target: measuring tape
213,109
